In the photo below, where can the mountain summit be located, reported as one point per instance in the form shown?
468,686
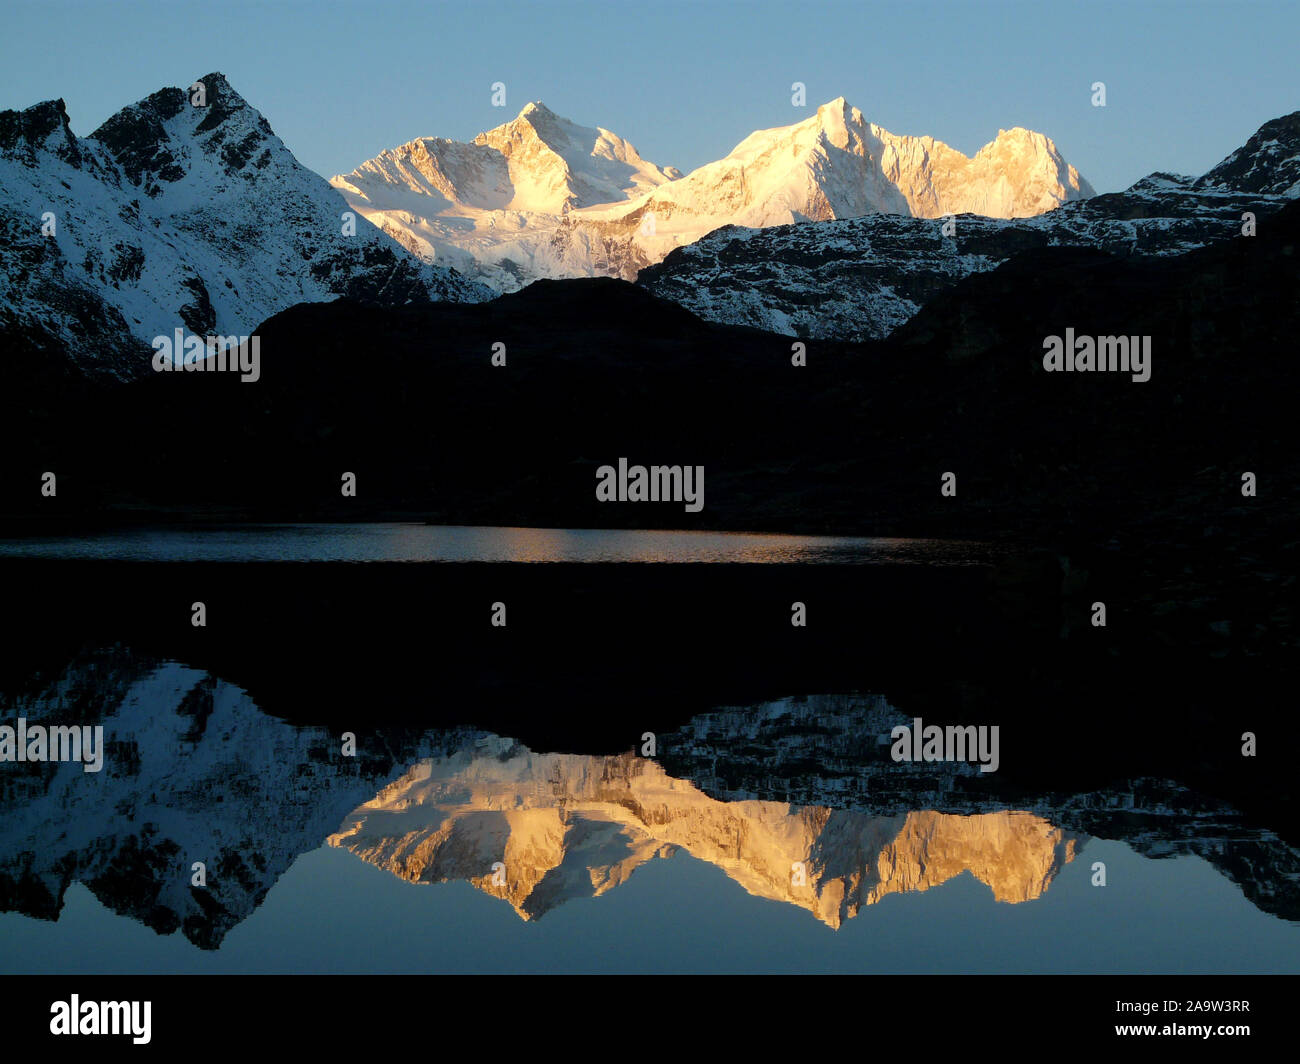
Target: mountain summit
537,162
541,196
835,164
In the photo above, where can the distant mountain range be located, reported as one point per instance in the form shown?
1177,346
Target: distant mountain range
541,196
862,277
176,215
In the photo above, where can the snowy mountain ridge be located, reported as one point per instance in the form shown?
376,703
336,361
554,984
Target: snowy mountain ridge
171,215
860,278
543,197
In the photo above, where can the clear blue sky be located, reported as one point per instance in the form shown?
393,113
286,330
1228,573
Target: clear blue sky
340,81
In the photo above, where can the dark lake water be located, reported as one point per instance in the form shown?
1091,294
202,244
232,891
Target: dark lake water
404,542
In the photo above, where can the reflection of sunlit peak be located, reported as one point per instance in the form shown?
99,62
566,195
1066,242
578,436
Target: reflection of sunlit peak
538,830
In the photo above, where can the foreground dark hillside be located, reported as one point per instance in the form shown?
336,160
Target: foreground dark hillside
855,441
1147,473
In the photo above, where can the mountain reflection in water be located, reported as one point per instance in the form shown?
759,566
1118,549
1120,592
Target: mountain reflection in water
566,826
195,771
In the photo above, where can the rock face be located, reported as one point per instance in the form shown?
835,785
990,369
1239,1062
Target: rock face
173,215
859,278
1267,164
543,197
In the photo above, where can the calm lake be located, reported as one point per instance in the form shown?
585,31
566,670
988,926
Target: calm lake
405,542
499,812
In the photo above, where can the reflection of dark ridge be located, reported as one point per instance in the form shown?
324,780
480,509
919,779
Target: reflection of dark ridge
616,649
249,793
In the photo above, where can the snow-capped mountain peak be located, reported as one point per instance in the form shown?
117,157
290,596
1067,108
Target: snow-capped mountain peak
542,196
860,277
180,211
536,163
166,140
